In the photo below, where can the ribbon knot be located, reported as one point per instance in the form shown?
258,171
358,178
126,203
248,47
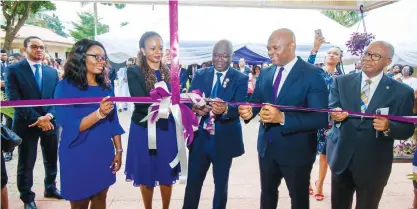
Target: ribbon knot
186,122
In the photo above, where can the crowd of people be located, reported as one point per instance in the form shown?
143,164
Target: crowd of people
90,147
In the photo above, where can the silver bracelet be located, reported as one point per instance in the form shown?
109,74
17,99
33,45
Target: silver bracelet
119,150
98,114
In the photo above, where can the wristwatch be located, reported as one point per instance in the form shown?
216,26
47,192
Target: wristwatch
119,150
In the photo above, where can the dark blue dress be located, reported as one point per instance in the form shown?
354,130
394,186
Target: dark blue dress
151,168
85,157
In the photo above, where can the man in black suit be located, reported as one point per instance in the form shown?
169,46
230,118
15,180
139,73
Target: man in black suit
359,150
29,79
243,68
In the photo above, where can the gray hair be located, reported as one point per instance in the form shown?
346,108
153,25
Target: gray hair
389,47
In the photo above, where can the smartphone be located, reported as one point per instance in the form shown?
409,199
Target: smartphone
318,33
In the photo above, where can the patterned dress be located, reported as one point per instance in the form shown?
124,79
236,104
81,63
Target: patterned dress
321,133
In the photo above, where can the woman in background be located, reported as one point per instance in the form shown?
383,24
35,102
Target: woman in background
89,158
148,168
332,67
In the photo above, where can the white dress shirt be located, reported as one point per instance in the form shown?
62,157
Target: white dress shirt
221,78
411,82
375,81
287,69
32,66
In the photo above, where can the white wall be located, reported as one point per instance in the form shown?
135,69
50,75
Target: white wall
51,50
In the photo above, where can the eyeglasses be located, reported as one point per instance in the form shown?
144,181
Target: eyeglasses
97,57
374,57
221,56
36,47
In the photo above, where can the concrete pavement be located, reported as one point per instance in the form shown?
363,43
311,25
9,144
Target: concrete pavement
244,184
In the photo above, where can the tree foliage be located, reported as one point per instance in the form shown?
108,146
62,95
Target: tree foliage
47,21
345,18
84,28
16,13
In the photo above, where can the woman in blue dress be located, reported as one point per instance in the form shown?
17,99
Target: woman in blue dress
88,162
146,167
332,68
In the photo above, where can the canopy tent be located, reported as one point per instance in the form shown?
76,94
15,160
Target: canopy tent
199,30
395,23
289,4
251,57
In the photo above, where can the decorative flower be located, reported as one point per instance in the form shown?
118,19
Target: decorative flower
358,42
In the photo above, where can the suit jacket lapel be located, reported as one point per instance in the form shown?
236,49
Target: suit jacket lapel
379,95
268,87
228,79
44,80
30,76
208,81
356,86
294,75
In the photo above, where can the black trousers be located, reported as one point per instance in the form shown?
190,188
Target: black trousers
27,158
343,188
297,179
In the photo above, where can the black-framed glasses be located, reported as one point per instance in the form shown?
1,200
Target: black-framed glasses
97,57
36,47
374,57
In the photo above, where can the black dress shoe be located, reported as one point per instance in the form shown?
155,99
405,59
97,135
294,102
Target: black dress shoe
30,205
53,193
8,156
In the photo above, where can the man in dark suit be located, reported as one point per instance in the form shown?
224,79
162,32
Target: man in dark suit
287,139
29,79
243,68
359,150
183,79
219,138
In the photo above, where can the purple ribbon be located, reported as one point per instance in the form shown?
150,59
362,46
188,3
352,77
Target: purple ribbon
184,108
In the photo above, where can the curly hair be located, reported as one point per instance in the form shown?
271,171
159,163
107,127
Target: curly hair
150,78
75,68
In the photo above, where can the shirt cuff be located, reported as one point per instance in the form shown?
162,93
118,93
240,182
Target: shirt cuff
283,122
50,115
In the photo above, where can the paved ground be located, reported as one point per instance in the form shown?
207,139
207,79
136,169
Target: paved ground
244,186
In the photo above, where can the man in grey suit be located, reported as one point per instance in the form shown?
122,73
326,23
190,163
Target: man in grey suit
359,150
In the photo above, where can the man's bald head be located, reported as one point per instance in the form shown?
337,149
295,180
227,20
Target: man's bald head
284,33
281,46
376,57
222,55
388,48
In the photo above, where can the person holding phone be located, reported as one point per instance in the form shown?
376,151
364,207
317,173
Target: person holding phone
331,69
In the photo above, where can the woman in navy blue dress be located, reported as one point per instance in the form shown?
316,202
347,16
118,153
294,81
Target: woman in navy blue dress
332,68
88,162
148,168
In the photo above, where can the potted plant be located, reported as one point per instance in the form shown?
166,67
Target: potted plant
358,41
404,151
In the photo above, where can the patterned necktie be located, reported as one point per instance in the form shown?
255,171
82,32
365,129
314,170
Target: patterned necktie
277,82
365,93
212,117
38,77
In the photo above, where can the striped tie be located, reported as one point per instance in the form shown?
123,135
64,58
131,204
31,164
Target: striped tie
365,93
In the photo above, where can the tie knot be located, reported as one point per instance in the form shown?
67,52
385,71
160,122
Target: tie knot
37,66
219,75
368,81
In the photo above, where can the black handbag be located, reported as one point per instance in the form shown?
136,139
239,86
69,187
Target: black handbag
9,139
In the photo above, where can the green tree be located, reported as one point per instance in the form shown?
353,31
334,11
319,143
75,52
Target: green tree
345,18
124,24
85,27
47,21
118,6
16,13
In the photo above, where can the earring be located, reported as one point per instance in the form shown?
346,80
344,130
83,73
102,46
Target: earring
144,54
